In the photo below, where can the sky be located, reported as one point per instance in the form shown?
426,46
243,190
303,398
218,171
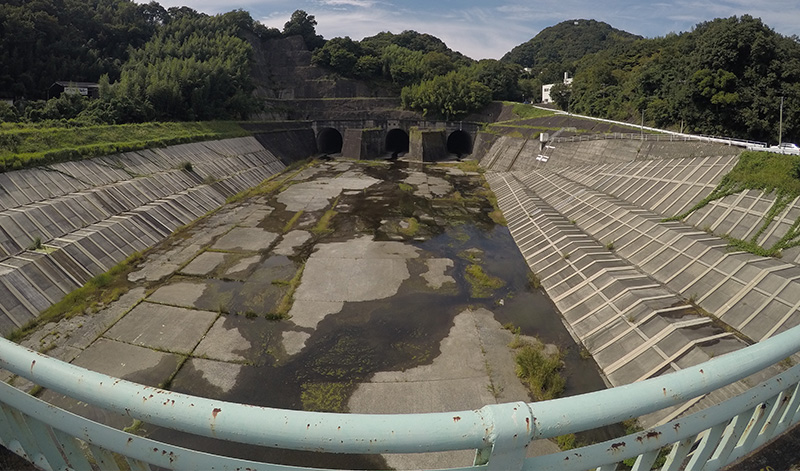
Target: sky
487,30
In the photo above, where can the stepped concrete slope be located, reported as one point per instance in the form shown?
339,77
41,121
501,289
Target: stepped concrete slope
63,224
642,295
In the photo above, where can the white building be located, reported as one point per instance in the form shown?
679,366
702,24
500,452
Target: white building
546,88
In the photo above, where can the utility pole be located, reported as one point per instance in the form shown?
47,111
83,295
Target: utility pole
642,128
780,125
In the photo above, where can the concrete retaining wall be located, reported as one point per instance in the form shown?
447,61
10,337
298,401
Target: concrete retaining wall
289,145
63,224
530,155
626,282
427,145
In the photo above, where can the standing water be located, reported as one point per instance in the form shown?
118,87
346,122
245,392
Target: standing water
387,258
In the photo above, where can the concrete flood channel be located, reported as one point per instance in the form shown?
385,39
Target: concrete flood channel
340,286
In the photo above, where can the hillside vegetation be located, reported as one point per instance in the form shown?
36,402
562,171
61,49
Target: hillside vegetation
556,49
24,146
726,77
151,63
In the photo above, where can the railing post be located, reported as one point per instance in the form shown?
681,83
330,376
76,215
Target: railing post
509,429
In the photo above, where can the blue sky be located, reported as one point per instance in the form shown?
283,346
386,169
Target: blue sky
483,29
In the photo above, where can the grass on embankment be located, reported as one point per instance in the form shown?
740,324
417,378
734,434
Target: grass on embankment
99,291
23,146
523,111
768,172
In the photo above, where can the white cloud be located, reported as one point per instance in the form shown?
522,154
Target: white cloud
351,3
474,32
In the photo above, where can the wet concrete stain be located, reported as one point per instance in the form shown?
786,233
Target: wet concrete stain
391,334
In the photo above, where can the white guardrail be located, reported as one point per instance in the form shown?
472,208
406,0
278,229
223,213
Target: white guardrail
669,135
54,439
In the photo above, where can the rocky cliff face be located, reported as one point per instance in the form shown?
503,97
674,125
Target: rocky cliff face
283,70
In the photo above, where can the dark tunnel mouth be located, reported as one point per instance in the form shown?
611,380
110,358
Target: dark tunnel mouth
329,141
396,141
459,142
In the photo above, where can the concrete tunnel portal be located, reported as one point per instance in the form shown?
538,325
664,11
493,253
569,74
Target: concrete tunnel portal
396,141
459,142
329,141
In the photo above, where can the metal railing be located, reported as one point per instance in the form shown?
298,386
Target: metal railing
753,145
662,136
53,438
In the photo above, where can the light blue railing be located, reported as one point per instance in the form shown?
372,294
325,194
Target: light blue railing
55,439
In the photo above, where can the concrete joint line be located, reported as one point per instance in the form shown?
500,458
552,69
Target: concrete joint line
682,352
589,280
783,320
773,297
629,329
652,341
726,276
733,300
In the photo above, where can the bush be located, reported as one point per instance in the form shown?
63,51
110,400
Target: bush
540,372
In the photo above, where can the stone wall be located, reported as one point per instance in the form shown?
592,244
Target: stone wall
282,70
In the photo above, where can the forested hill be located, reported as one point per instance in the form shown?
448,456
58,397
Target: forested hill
555,49
42,41
726,77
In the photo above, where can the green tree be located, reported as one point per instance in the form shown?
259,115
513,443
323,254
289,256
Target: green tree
451,96
196,67
561,95
303,24
501,78
339,54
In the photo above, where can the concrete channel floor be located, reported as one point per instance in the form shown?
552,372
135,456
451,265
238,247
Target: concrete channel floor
382,321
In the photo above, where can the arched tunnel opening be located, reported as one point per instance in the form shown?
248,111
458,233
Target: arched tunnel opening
396,142
329,141
460,143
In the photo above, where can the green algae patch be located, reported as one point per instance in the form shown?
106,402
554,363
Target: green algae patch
323,226
282,311
481,284
412,228
325,397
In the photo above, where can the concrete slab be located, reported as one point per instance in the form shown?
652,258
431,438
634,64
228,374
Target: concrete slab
223,343
121,360
291,241
435,276
365,270
316,195
242,267
154,326
294,341
184,293
206,378
204,263
131,362
246,238
309,312
458,379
